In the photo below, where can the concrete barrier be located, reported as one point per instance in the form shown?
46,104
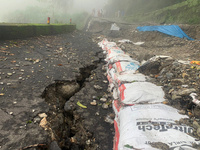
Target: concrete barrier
18,31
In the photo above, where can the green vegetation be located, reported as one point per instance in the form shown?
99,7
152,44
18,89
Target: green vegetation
160,11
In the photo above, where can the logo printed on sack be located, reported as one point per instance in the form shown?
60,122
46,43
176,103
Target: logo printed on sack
163,126
117,51
131,66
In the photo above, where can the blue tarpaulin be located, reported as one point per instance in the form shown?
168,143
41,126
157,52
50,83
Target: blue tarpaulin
173,30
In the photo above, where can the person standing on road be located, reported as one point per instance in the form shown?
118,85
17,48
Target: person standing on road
98,13
118,13
93,12
122,13
101,12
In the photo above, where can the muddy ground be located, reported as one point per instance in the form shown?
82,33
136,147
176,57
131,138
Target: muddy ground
62,77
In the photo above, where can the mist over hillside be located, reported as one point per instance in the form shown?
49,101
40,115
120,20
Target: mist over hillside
37,11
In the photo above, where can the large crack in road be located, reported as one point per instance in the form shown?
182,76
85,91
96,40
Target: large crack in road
65,126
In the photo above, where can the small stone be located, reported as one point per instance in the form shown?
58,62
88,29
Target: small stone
20,78
88,142
181,112
103,99
174,97
43,123
186,92
159,77
105,96
163,71
36,120
11,113
97,87
8,84
184,86
109,120
123,47
196,125
112,115
67,106
94,103
43,115
22,70
48,46
33,110
1,83
72,140
169,75
54,146
10,74
177,81
14,102
95,97
170,91
97,114
105,106
105,81
185,75
198,131
17,65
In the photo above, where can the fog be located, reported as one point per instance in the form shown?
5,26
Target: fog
88,5
11,9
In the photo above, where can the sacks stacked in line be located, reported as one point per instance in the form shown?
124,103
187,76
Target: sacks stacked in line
140,117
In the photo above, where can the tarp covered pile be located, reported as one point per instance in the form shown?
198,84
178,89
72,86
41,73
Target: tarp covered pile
173,30
141,118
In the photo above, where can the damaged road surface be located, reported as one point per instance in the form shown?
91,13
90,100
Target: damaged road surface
54,92
53,95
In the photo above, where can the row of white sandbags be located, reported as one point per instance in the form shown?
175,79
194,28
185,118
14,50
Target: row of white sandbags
137,126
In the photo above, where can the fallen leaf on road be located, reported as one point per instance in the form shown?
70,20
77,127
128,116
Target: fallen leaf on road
13,61
2,94
3,49
59,64
81,105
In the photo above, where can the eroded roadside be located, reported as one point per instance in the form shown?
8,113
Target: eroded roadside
39,75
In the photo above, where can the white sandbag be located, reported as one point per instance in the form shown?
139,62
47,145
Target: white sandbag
109,57
115,51
112,49
117,135
125,77
122,57
140,92
138,43
125,66
125,41
114,27
109,45
111,74
115,93
103,42
129,78
118,106
141,125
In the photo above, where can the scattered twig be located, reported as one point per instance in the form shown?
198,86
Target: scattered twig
31,146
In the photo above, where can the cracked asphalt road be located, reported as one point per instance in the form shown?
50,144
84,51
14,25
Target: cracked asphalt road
27,67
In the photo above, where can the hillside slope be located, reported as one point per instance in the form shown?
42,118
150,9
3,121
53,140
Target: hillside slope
160,11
